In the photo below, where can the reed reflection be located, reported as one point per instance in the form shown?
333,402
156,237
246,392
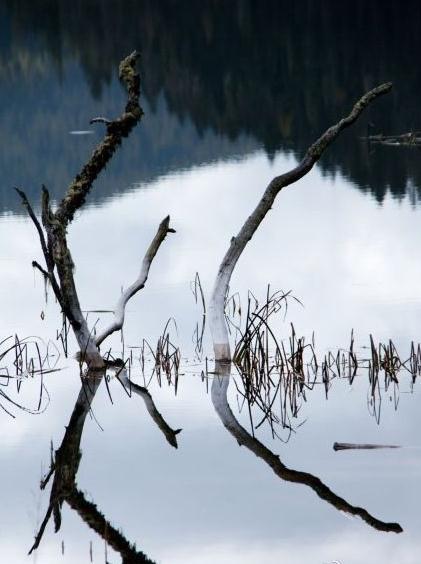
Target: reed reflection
278,368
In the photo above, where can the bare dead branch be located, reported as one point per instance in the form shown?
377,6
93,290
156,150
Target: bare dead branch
139,283
238,243
35,221
39,535
46,479
46,250
37,265
55,247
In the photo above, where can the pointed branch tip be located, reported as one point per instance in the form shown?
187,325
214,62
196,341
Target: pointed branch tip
21,194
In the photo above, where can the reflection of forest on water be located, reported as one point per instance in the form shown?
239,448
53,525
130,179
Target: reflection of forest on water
218,83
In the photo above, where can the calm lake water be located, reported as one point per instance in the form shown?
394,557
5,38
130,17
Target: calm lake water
232,95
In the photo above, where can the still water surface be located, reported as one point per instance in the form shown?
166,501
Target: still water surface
345,241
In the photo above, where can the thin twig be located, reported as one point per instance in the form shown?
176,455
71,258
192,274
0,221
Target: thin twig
138,284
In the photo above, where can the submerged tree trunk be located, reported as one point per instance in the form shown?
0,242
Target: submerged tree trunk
219,294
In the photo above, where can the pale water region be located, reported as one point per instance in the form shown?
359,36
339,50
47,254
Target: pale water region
353,264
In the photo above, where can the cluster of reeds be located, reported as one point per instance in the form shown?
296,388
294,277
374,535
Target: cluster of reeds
270,369
162,360
63,335
275,374
199,331
20,360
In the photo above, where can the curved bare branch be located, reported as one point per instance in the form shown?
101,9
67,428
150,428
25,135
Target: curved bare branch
217,319
139,283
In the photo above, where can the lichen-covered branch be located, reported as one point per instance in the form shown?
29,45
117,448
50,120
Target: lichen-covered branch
139,283
238,243
115,131
54,242
61,259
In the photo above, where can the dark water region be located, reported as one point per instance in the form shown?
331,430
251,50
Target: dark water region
219,81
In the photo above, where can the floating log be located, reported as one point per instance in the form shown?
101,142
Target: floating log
352,446
413,138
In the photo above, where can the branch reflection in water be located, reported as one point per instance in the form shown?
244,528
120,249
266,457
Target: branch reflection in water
244,438
66,462
65,466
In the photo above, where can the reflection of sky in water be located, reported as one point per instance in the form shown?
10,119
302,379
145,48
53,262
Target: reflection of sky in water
352,263
38,147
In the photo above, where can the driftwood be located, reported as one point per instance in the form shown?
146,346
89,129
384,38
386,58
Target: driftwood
218,325
352,446
220,402
411,139
52,232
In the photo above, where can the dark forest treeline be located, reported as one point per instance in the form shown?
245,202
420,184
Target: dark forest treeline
275,72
